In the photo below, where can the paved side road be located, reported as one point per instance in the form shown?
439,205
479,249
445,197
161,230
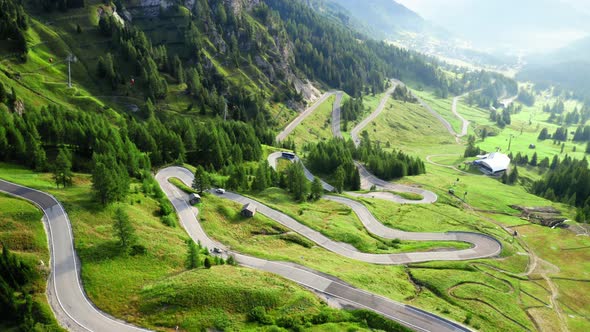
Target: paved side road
66,296
368,179
291,126
411,317
336,115
354,133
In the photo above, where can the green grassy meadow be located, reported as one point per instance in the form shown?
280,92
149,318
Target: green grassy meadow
488,208
316,127
339,223
443,106
152,290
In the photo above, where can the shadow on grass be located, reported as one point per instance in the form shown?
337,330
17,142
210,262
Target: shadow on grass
100,252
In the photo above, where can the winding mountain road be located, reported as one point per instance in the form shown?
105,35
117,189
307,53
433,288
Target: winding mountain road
77,313
464,122
412,317
66,296
354,133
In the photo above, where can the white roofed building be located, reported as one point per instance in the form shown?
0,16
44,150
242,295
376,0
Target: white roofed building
493,163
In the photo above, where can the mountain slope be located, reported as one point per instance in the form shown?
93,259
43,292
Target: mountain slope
387,16
389,20
568,68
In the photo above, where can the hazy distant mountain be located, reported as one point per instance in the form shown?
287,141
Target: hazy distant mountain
568,67
508,25
392,21
388,17
576,51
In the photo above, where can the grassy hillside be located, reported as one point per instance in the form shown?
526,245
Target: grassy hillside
556,259
22,231
154,289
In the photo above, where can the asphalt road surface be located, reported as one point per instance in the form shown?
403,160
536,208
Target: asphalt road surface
464,122
414,318
368,180
336,115
482,245
291,126
65,293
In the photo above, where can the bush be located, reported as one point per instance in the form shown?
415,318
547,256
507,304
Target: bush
376,321
207,263
287,322
169,220
165,207
321,318
258,314
231,260
468,318
138,249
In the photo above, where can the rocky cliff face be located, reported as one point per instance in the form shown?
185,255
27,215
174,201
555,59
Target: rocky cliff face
240,5
269,48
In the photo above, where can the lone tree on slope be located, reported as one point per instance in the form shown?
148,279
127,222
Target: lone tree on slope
201,181
62,171
123,230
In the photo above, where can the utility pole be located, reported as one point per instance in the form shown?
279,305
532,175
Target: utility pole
71,58
510,141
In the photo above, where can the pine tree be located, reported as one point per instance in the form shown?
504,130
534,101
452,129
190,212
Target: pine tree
149,109
207,262
110,180
297,182
62,171
123,230
504,178
513,177
317,190
13,96
201,181
533,161
38,158
192,261
178,70
339,177
543,135
2,93
261,180
356,179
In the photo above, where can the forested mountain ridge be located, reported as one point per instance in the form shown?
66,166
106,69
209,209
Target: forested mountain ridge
163,67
